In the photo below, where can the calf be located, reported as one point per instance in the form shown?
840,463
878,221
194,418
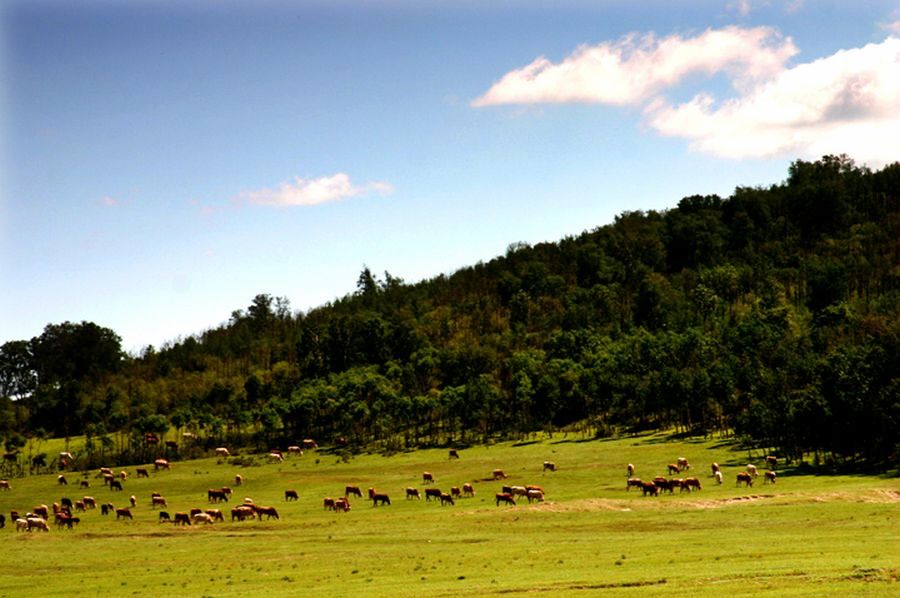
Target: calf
718,477
413,493
291,495
21,525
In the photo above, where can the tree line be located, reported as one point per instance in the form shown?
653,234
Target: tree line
773,313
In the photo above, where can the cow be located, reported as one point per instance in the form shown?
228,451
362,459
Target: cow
427,478
61,480
673,468
133,500
115,485
690,483
549,466
238,480
446,499
181,519
455,492
216,514
452,454
194,511
498,474
772,461
123,513
222,452
518,491
269,512
104,471
21,525
432,493
213,495
108,478
353,490
683,464
66,502
505,498
744,477
630,470
715,468
89,502
751,469
309,444
718,477
328,503
161,464
273,457
85,484
380,497
64,519
42,511
342,504
37,523
123,475
242,512
295,450
770,477
468,490
66,455
291,495
413,493
227,491
158,501
534,487
164,517
535,495
650,488
4,484
202,518
662,483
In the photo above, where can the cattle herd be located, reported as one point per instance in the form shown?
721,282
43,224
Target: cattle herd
65,513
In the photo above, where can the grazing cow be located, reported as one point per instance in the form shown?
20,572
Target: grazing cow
379,497
353,490
499,474
770,477
518,491
89,502
37,523
227,491
80,506
455,492
104,471
202,518
683,464
650,488
690,483
772,461
446,499
269,512
238,480
66,502
161,464
42,511
181,519
453,454
216,514
549,466
64,519
468,490
718,477
85,484
535,495
242,512
123,475
291,495
673,468
309,444
123,513
194,511
213,495
715,468
115,485
273,457
432,493
427,478
164,516
505,498
21,525
751,469
413,493
662,483
133,500
342,504
744,477
4,484
533,487
296,450
142,472
630,470
108,478
328,504
158,501
222,452
61,480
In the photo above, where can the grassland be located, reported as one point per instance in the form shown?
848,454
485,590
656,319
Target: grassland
806,535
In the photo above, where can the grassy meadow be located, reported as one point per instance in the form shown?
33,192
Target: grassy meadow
806,535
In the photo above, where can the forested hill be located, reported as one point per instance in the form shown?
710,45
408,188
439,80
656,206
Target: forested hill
774,312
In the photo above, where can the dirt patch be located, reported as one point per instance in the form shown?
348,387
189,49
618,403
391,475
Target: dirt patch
587,505
872,497
725,502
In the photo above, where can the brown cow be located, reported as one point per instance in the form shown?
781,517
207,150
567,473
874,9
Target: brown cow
42,511
427,478
161,464
213,495
89,502
291,495
181,519
328,504
468,490
455,492
715,468
505,498
354,490
772,461
4,484
379,497
770,477
164,516
413,493
535,495
633,483
107,478
499,474
295,450
309,443
238,480
690,483
142,472
37,523
133,500
453,454
115,485
242,512
216,514
202,518
751,469
123,475
85,484
549,466
158,501
61,480
683,464
105,509
342,504
269,512
650,488
432,493
446,499
673,468
744,477
227,491
123,512
630,470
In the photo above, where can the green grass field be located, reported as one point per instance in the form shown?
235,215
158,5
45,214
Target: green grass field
806,535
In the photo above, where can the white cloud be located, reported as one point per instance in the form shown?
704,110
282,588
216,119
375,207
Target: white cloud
742,7
848,102
310,192
634,68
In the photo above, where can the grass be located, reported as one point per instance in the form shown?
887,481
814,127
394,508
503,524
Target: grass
806,535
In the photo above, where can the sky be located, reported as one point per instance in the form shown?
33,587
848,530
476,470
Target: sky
162,163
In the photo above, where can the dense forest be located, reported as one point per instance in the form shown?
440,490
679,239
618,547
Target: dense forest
772,314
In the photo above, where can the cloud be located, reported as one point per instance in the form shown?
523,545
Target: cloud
893,27
108,200
634,68
742,7
844,103
311,192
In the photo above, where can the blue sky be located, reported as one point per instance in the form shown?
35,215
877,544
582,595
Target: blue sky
164,162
